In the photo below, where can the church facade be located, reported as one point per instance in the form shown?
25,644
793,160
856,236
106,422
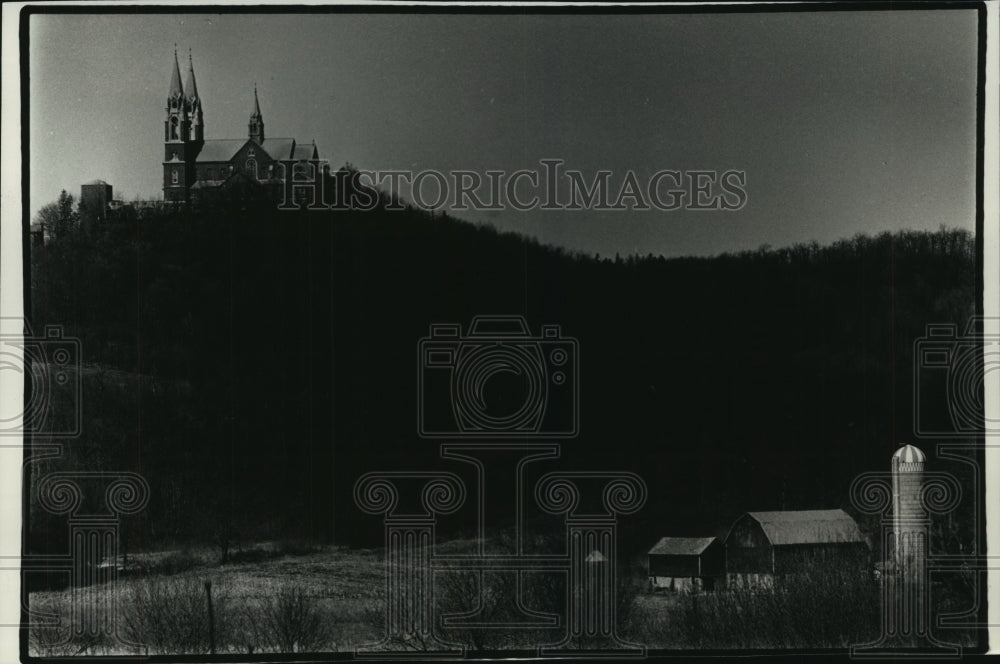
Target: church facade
194,166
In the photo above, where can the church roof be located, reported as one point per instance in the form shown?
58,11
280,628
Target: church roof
231,179
279,148
305,151
175,79
224,149
220,149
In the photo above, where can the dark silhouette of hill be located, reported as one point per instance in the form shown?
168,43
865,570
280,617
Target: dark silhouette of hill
274,358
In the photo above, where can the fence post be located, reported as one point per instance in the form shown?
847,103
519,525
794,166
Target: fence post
211,619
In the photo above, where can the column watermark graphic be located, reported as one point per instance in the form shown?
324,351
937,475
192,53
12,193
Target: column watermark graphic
409,542
905,499
92,562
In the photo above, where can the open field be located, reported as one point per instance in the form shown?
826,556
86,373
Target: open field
329,599
277,597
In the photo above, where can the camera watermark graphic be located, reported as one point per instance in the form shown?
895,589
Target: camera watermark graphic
550,186
497,381
949,379
50,362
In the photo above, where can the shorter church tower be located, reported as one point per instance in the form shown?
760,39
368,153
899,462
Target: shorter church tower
256,120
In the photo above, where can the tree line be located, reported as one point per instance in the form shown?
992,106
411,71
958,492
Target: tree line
252,363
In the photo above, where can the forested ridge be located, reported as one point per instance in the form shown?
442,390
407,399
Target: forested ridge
252,363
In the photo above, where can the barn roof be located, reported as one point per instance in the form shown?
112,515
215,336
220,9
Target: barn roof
681,546
808,527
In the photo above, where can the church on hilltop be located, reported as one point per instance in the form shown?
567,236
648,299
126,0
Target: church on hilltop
193,166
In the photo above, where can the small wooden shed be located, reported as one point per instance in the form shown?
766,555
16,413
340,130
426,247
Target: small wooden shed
686,564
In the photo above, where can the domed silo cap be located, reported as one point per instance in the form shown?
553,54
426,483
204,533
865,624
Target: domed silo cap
908,457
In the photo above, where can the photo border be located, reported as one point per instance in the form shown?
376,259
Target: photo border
18,284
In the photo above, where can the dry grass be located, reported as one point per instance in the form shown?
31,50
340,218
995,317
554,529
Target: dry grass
832,611
332,600
323,601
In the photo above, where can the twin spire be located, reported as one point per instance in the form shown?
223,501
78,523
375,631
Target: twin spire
190,103
176,89
175,79
191,85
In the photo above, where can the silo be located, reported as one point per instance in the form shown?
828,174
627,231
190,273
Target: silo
910,526
906,606
909,519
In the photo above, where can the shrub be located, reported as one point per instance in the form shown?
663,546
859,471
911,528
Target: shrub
48,631
288,620
813,611
171,615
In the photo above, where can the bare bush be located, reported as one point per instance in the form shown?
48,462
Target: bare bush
810,611
170,615
289,620
48,633
51,634
500,598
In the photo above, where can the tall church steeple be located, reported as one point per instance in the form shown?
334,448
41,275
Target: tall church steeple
175,80
182,135
176,129
192,87
193,103
256,119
